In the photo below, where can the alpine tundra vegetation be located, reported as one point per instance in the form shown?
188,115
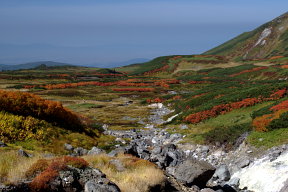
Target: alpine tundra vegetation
216,121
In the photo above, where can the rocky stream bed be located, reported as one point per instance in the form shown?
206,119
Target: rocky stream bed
188,167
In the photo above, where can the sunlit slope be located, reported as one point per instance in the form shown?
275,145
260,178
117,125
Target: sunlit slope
270,39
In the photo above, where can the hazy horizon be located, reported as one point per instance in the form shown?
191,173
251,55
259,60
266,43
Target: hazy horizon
92,31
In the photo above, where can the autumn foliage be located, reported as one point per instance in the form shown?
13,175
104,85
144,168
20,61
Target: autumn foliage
221,109
199,82
41,182
156,100
261,123
125,83
248,71
19,128
133,89
280,106
27,104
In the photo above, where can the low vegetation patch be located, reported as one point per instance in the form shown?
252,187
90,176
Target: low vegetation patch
136,175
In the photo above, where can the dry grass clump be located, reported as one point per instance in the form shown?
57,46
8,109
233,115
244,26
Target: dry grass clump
138,176
13,167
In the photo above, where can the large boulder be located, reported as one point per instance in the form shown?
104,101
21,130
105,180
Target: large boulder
92,186
79,151
68,147
169,156
220,177
95,151
88,179
192,172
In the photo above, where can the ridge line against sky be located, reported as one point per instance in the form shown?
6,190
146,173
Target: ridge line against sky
93,31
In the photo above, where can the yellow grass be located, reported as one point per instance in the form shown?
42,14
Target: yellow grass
13,167
188,66
139,175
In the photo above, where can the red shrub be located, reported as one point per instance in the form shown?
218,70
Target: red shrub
177,97
161,69
133,89
280,106
221,109
278,94
41,182
199,82
276,57
248,71
156,100
75,162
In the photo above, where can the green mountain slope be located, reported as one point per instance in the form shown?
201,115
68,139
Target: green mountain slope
270,39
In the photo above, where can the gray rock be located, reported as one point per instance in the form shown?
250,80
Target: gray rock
68,147
23,153
192,172
95,151
222,173
195,188
207,190
88,179
275,154
117,164
285,186
2,144
183,127
244,163
115,152
234,182
79,151
23,187
205,149
220,176
92,186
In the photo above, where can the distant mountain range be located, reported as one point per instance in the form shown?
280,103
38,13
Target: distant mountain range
270,39
119,64
31,65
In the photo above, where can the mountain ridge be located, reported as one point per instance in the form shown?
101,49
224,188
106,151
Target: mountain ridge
269,39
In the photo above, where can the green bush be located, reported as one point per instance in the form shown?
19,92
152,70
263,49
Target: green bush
226,134
282,122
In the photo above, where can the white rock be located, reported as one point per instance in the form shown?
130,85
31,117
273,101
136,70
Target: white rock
263,35
263,175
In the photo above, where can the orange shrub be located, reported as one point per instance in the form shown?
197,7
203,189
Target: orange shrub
156,100
177,97
260,123
27,104
276,57
133,89
248,71
36,168
284,66
280,106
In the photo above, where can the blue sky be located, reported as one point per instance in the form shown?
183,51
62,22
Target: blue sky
93,31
